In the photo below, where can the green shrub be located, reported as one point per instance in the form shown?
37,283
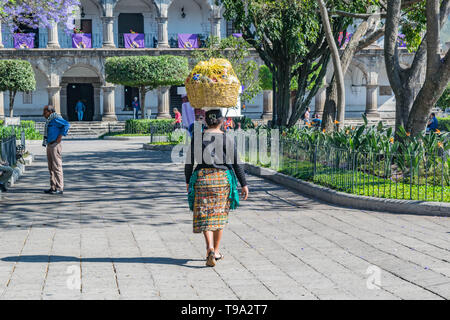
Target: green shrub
444,124
147,126
27,126
444,101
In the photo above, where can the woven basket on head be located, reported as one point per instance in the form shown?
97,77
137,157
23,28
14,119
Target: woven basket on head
212,95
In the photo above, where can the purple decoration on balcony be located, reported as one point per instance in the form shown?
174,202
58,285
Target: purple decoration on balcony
23,40
188,40
237,35
134,40
81,40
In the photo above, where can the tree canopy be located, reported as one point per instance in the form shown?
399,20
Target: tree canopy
147,72
289,38
16,76
38,13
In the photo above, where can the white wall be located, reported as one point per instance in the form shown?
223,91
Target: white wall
196,20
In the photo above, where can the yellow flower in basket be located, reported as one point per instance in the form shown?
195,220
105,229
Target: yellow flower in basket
213,84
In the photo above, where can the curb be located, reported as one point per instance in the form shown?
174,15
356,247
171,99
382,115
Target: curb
156,147
19,170
343,199
115,138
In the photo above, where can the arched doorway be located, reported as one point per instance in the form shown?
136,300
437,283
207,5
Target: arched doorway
81,83
83,92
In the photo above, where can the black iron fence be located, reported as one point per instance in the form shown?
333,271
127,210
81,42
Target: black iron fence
8,150
413,176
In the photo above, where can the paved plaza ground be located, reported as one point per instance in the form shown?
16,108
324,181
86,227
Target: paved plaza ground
122,230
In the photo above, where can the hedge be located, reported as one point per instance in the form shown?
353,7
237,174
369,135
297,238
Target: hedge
147,126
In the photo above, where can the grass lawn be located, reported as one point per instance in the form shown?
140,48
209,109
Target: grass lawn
364,184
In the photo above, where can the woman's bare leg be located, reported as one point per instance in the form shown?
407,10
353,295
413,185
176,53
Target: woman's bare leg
217,237
209,239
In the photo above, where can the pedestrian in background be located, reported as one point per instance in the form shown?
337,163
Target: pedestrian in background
136,108
80,108
55,128
432,123
178,119
187,112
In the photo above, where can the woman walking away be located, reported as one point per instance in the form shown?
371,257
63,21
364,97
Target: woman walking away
212,187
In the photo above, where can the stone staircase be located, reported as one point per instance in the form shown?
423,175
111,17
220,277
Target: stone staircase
88,129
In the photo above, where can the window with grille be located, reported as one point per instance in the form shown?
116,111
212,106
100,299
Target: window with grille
27,98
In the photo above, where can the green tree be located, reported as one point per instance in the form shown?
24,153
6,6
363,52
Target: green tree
289,38
444,101
147,72
16,76
412,108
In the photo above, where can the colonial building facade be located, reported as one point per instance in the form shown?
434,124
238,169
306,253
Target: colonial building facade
65,74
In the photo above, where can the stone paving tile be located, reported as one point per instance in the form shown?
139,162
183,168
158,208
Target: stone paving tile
122,230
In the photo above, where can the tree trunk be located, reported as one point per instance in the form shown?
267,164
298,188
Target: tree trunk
329,111
142,93
338,72
283,94
403,103
12,95
437,73
354,45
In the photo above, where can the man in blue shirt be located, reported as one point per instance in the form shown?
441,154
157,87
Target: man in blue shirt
80,108
432,123
136,108
55,128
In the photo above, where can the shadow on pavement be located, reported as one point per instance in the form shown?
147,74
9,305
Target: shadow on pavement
150,260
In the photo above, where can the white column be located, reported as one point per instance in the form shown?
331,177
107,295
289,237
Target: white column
163,103
372,101
2,106
215,27
267,105
320,98
108,32
53,41
109,106
54,98
1,37
163,35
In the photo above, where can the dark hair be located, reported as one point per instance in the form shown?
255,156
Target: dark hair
50,108
213,117
433,114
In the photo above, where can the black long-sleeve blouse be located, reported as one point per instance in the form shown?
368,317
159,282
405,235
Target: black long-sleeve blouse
215,160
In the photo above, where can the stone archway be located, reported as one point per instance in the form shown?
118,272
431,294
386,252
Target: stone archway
81,82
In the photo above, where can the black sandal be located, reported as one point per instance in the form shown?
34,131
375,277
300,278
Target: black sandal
219,258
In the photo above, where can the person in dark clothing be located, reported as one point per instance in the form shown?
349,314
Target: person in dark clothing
212,186
433,123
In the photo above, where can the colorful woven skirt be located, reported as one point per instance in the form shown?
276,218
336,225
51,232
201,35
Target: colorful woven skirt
211,200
